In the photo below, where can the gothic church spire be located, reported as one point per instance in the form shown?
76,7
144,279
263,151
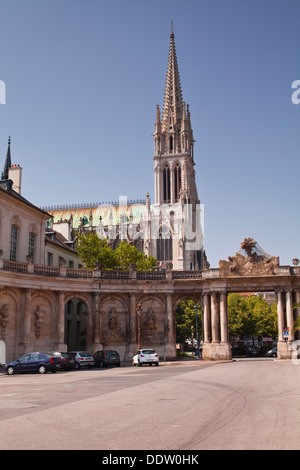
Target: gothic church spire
4,175
172,109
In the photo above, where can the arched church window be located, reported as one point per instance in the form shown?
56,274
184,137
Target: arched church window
171,141
166,184
164,245
177,181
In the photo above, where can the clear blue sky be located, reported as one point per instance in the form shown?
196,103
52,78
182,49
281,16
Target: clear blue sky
83,78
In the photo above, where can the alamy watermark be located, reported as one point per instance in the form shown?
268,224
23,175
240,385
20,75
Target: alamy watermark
2,92
296,95
181,222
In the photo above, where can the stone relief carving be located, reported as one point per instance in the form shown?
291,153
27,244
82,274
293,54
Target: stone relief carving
3,320
251,260
38,321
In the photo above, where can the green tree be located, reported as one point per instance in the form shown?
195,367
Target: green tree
186,321
296,325
93,249
251,316
126,254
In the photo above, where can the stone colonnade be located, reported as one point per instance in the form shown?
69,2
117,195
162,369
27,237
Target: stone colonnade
215,326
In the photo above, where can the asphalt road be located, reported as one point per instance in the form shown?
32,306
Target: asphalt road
249,404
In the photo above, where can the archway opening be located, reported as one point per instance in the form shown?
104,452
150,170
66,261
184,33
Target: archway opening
189,328
75,325
252,324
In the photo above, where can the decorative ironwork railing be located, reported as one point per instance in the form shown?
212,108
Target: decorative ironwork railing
77,273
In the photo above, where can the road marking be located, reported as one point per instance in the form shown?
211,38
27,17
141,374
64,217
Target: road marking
11,394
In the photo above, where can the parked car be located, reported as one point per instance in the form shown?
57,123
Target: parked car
145,356
255,352
41,362
106,358
66,360
83,359
272,353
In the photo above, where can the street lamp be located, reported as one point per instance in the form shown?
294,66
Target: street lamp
139,310
196,311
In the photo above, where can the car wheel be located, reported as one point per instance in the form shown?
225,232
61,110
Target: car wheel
10,370
42,369
101,364
77,366
140,364
157,364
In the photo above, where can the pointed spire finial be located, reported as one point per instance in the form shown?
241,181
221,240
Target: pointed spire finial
4,174
172,31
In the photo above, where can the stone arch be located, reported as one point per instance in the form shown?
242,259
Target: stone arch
77,321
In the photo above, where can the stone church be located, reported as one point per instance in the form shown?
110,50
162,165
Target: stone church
170,227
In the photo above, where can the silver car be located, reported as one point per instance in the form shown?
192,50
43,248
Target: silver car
83,359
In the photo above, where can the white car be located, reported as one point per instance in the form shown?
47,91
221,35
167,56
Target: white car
83,359
145,356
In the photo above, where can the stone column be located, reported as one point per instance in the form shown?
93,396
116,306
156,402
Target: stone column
214,318
96,322
280,315
132,326
289,314
170,327
60,344
223,317
27,322
206,319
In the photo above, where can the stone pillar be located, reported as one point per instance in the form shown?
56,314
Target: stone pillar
170,351
96,322
289,314
280,315
60,344
223,318
214,318
132,326
206,319
27,322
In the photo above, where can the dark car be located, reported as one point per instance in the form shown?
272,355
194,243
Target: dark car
66,360
107,358
41,362
272,353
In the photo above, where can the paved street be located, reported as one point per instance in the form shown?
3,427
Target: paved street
244,404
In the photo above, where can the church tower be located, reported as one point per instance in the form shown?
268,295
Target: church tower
173,142
174,175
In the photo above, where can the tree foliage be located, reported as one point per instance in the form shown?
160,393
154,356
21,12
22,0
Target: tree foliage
186,321
251,316
93,249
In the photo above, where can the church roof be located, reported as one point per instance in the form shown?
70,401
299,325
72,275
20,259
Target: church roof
110,214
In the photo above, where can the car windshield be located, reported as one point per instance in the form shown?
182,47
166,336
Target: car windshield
148,351
84,354
112,354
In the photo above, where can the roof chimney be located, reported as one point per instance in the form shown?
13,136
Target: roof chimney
15,174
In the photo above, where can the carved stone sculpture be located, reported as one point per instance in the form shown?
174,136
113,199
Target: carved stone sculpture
255,262
3,320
